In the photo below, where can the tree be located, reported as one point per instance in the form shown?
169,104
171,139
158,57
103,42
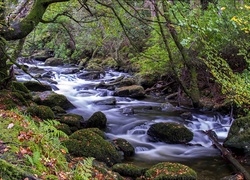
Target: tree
18,26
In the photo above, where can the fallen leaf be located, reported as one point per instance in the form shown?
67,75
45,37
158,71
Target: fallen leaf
11,125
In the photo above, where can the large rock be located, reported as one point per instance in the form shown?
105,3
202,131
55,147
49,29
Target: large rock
36,86
172,133
88,143
129,170
97,120
147,80
170,171
72,120
133,91
54,62
42,55
43,112
89,75
238,139
108,101
124,146
52,99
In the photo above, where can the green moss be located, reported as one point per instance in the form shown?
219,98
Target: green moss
19,86
53,99
43,112
72,120
129,170
10,171
170,171
124,146
10,100
98,119
64,128
36,86
86,142
170,133
238,138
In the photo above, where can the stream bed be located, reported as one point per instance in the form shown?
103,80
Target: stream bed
131,118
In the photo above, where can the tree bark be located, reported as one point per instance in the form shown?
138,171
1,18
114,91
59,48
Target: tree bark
227,155
20,29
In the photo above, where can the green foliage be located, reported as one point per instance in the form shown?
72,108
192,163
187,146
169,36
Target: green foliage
35,148
83,171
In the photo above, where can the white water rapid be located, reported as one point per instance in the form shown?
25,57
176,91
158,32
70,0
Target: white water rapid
133,127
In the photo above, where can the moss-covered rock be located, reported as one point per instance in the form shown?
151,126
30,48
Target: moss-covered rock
10,171
52,99
58,110
10,100
19,86
41,111
133,91
42,55
98,120
129,170
86,142
170,171
64,128
147,80
124,146
36,86
102,171
170,133
238,139
54,62
72,120
109,63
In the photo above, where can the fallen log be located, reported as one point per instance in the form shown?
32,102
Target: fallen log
228,155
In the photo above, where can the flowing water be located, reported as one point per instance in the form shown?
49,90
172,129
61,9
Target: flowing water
198,154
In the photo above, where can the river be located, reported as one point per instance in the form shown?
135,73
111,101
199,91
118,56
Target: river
198,154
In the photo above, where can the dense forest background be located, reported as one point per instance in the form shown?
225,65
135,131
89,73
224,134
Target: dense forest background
197,43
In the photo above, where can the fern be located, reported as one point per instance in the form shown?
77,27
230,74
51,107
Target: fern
83,170
49,129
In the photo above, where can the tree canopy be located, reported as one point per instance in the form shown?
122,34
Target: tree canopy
159,37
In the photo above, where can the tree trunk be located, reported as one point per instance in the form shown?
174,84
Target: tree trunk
21,28
227,155
191,89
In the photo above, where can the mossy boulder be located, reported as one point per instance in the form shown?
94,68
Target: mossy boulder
54,62
133,91
124,146
41,111
146,80
36,86
42,55
10,171
238,139
172,133
52,99
64,128
19,86
98,120
170,171
89,75
10,100
109,63
86,142
129,170
72,120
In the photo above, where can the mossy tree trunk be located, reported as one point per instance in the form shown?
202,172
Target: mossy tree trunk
19,29
191,89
